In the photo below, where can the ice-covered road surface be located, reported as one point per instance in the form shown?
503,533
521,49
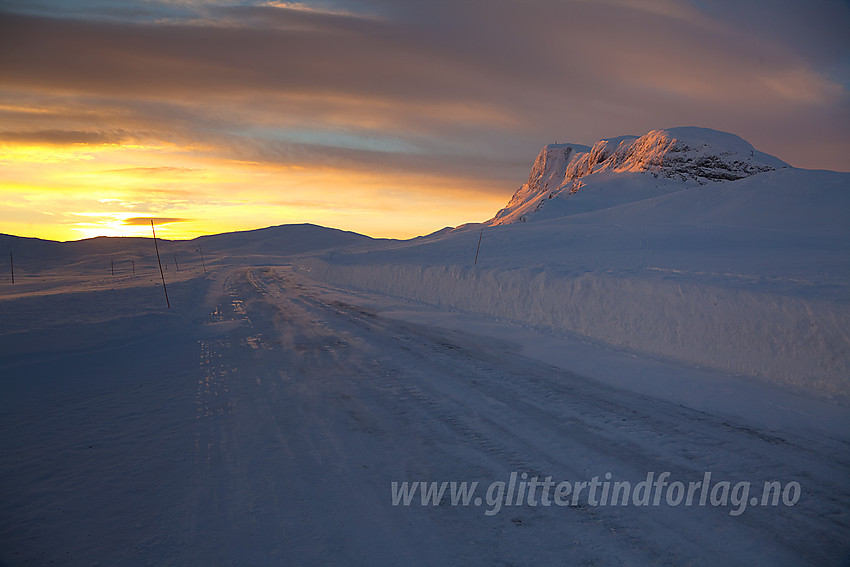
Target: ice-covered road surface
273,436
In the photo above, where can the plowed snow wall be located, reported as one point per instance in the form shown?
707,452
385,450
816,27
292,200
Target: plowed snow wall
804,342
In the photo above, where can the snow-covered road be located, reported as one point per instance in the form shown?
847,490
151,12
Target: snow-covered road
319,407
279,441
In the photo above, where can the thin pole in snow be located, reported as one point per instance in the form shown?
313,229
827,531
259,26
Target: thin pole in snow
112,266
160,265
175,263
479,246
134,266
202,259
12,266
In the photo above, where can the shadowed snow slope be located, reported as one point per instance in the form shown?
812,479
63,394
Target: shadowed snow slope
748,275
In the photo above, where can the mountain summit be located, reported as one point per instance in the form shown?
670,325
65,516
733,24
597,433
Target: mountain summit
631,168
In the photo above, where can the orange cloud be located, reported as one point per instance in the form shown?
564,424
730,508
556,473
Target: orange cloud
61,137
146,221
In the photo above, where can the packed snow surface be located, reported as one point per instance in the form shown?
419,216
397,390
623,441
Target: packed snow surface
264,418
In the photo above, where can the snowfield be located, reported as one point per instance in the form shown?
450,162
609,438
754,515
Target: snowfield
310,392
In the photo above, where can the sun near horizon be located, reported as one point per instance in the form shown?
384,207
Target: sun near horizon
387,119
82,190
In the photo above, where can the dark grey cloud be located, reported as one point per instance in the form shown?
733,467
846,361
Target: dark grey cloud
461,88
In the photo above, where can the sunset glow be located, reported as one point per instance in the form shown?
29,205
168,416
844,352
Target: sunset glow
82,191
388,119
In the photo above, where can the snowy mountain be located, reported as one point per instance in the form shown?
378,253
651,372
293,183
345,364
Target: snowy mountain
629,168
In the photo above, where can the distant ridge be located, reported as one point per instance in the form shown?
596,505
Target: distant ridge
284,239
278,240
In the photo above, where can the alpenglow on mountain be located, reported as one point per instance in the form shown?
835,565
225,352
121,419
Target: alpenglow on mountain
569,179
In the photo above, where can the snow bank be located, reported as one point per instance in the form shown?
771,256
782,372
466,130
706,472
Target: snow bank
793,340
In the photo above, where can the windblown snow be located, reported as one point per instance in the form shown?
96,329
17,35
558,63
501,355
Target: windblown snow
675,302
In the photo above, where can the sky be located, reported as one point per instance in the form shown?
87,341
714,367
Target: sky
391,118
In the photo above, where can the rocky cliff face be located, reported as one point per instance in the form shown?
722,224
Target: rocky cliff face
690,156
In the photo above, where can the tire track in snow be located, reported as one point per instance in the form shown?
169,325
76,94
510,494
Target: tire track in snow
588,419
